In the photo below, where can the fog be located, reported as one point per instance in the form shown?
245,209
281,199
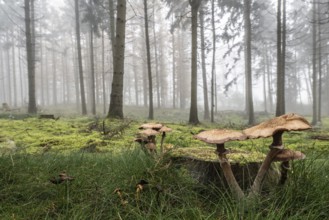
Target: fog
221,75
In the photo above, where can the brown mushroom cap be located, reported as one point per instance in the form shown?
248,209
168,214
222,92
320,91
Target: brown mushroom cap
220,136
287,155
148,132
153,126
287,122
165,129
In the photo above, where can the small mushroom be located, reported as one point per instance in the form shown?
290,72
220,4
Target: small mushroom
147,140
163,130
139,188
153,126
219,137
119,192
61,178
285,156
275,128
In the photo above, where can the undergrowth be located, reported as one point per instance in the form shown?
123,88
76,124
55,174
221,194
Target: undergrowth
102,157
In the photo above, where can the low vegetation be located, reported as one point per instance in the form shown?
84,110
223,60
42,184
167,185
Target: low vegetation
102,157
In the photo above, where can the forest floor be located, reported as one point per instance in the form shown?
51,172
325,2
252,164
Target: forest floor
102,157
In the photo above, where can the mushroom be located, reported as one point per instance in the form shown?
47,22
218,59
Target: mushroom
148,139
219,137
163,130
153,126
119,192
285,156
275,128
139,187
61,178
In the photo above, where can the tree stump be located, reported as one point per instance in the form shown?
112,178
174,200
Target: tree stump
203,165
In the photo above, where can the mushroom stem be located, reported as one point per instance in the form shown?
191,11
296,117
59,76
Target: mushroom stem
230,178
257,184
277,140
285,165
162,139
221,149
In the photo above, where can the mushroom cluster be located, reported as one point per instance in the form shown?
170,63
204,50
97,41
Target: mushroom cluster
146,137
272,128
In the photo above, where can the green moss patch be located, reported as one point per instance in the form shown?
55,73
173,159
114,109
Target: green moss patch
208,154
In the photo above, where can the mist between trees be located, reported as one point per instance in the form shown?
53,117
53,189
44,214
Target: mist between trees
96,56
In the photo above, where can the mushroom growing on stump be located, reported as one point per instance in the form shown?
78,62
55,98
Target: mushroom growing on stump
285,156
153,126
275,128
219,137
163,130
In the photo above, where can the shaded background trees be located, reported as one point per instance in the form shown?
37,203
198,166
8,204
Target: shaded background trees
200,70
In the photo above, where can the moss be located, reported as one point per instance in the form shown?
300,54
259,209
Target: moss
208,154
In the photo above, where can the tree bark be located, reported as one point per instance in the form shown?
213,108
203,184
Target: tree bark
193,119
82,87
92,65
247,52
315,78
281,50
116,103
213,68
203,64
149,67
32,107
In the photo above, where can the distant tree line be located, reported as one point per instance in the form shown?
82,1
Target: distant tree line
100,55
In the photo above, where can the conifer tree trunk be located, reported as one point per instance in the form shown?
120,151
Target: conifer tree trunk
247,52
280,76
116,103
193,119
82,86
32,107
314,67
149,68
213,68
203,64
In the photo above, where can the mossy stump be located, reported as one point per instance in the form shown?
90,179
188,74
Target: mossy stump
203,165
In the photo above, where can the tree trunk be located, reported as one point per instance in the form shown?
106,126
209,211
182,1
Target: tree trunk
173,71
112,26
315,80
54,77
193,119
156,58
280,74
247,52
203,64
92,66
32,107
116,103
82,86
319,64
213,66
103,74
14,71
149,69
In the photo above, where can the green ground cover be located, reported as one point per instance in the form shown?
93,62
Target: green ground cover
102,156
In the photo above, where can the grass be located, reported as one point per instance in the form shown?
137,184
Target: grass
103,157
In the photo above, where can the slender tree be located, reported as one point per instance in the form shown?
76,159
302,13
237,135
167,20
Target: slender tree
116,103
213,66
281,50
32,107
247,52
203,63
193,119
77,30
314,66
149,67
